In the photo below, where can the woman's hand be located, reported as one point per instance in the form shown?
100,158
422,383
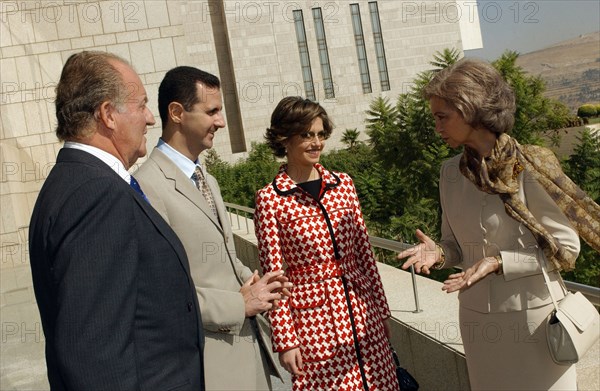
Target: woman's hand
422,256
291,361
464,280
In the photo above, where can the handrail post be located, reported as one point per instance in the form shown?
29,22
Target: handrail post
415,291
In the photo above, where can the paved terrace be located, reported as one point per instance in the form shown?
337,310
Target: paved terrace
428,342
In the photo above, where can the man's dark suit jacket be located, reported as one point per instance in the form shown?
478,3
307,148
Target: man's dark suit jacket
112,282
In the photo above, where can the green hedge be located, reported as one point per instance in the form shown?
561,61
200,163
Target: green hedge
587,111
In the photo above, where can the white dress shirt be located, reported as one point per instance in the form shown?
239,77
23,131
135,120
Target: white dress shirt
106,157
183,162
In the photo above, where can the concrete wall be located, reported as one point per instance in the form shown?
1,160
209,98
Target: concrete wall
436,366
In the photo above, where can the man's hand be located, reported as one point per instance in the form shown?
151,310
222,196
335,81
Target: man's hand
260,294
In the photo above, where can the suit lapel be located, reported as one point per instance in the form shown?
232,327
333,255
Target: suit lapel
184,185
165,230
220,205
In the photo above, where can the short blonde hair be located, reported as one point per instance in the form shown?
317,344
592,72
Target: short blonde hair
477,90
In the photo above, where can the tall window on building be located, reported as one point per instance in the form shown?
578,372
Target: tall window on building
361,53
323,54
309,86
379,49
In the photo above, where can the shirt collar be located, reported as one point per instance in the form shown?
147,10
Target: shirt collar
110,160
183,162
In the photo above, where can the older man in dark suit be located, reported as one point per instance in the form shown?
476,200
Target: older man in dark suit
112,281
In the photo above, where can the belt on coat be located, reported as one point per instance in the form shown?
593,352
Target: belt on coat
319,272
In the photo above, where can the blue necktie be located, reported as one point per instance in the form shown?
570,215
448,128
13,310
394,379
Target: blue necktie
136,186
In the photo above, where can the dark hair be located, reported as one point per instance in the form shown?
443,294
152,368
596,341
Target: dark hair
179,85
478,91
87,80
294,115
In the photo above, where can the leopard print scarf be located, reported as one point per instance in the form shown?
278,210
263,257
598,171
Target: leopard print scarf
499,175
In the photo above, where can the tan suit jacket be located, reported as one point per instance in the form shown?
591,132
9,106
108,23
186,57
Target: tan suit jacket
232,343
475,225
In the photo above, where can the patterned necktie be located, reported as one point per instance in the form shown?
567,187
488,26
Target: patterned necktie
202,185
136,186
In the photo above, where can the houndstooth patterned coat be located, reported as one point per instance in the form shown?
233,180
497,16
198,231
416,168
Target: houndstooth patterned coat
337,305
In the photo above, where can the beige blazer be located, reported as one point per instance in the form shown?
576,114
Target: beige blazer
475,225
231,341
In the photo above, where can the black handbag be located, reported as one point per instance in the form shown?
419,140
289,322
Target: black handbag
405,380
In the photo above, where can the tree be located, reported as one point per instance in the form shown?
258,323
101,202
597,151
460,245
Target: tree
213,162
240,182
366,174
380,117
444,59
405,144
536,115
587,111
350,137
583,167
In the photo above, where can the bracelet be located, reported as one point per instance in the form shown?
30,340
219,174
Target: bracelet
442,261
500,270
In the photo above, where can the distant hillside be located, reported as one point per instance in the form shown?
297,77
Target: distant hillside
570,68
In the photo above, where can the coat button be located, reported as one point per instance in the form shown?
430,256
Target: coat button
190,306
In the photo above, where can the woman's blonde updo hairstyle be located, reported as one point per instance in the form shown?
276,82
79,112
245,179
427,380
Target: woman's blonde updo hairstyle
477,90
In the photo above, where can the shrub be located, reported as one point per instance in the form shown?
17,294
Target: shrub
587,111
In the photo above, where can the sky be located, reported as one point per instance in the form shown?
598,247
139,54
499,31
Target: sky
526,26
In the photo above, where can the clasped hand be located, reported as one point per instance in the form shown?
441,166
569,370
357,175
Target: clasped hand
263,293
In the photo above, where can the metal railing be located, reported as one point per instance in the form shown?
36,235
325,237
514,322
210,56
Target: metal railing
232,208
592,293
394,245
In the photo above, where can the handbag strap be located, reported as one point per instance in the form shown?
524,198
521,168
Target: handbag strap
542,262
394,354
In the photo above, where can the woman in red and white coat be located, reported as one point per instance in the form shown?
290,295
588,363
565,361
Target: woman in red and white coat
332,333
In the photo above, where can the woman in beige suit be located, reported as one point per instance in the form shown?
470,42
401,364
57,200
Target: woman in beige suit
499,221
